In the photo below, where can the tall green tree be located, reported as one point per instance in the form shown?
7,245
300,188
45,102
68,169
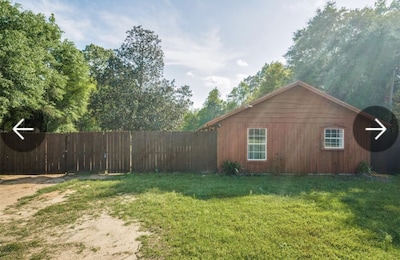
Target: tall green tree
132,93
212,107
99,60
239,95
191,120
77,89
271,77
42,78
351,54
141,52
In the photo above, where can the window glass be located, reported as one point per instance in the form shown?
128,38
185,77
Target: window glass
334,138
257,144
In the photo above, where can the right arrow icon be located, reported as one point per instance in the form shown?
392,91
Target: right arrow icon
382,129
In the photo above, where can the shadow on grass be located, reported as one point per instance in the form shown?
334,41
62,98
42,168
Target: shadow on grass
374,204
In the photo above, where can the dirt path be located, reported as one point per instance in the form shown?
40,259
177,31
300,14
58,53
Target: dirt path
103,236
13,187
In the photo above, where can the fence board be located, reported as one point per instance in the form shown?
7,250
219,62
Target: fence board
117,151
137,151
174,151
85,152
55,153
13,162
387,161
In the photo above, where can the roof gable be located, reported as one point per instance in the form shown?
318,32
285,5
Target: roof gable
280,91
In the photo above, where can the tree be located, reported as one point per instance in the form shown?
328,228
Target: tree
212,107
99,60
351,54
396,95
142,53
270,77
191,120
77,88
132,93
213,104
273,76
42,79
239,95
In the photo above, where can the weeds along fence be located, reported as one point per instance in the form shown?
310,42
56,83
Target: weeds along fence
115,152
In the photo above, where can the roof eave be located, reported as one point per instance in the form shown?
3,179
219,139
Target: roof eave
216,120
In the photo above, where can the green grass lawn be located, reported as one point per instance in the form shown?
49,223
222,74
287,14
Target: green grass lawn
260,217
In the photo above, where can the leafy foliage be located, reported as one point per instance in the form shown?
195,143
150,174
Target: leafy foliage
42,79
271,77
353,55
364,168
275,75
132,93
231,168
213,107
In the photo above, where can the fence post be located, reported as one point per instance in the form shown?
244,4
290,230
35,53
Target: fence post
66,154
105,149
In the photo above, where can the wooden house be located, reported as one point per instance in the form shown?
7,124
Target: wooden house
295,129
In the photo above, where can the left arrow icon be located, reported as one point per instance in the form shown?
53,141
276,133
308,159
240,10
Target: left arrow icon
16,129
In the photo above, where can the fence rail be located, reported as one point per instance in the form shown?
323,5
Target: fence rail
114,152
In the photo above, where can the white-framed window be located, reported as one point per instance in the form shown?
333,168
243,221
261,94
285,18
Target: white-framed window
257,144
334,138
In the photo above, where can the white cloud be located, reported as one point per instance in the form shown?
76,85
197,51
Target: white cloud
242,63
223,84
101,27
189,74
112,29
304,5
72,22
205,53
217,81
45,6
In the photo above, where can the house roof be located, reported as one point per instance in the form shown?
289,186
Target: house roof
279,91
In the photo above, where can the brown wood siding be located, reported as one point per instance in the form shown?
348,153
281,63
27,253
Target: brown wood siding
295,122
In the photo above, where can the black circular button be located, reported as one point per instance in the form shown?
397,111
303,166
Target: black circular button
375,128
22,137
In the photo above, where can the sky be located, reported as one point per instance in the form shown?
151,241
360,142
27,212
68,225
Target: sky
206,43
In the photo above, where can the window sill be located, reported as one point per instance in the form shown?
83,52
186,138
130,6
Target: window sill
332,149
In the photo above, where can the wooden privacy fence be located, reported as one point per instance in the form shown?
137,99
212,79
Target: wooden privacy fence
115,152
387,161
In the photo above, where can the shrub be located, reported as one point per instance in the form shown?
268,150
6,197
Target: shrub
364,168
231,168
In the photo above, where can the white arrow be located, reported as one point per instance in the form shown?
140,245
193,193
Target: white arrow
382,129
16,129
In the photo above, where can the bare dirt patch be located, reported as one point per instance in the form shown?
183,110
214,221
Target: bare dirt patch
14,187
103,237
91,237
35,205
